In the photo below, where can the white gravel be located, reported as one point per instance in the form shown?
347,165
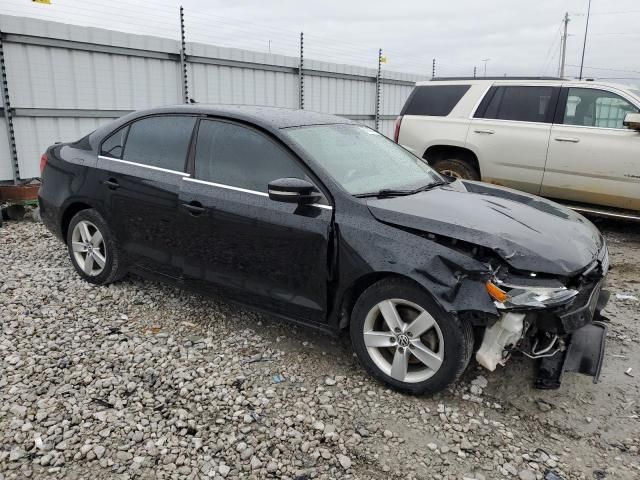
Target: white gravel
141,380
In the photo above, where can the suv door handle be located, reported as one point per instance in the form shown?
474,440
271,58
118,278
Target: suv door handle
487,132
567,139
195,208
112,184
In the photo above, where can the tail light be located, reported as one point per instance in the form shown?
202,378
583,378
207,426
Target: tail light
43,162
396,129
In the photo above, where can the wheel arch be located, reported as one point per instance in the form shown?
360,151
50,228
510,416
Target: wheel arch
68,213
440,152
357,287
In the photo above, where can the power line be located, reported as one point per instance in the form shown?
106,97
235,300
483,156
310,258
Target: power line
607,69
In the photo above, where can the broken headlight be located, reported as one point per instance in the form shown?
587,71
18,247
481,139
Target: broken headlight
513,296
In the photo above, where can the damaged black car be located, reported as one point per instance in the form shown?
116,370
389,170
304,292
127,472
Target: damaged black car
325,222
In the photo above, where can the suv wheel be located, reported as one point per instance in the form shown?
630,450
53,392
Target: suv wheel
404,339
456,168
93,249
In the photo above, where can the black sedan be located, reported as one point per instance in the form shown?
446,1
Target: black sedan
325,222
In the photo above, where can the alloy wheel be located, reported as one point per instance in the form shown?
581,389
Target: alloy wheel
89,250
403,340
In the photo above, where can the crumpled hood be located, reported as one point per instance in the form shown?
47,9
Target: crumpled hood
528,232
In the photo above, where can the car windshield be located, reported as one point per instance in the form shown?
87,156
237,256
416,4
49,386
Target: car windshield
361,160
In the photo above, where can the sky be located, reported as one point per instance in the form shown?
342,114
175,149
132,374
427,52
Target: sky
518,37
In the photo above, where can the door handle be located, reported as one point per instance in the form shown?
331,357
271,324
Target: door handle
567,139
194,208
112,184
486,132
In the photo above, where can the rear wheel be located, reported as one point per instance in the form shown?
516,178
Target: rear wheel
456,168
403,338
93,249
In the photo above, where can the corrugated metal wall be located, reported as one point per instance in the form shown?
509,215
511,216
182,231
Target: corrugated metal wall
66,80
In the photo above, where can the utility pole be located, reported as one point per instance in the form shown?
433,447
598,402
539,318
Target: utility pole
564,44
485,60
474,72
433,68
584,45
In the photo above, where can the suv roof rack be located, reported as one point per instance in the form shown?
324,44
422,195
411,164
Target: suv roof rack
443,79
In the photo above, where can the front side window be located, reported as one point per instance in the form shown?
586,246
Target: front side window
361,160
434,100
590,107
161,141
237,156
519,103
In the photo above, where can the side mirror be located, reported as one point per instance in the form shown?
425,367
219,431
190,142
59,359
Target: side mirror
293,190
632,121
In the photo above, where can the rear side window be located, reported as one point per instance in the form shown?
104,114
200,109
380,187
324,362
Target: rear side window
434,101
161,141
237,156
114,145
522,104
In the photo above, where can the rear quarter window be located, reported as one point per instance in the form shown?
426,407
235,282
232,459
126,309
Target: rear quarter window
434,100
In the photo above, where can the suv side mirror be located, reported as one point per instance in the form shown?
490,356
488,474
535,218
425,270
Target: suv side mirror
293,190
632,120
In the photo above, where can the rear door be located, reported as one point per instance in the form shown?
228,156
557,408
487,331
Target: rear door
510,134
141,167
238,242
592,157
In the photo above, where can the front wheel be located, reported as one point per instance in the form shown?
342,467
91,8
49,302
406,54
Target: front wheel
93,248
404,339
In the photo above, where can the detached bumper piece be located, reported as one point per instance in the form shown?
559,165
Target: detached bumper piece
584,354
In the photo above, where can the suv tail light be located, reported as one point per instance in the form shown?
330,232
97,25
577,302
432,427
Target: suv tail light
43,162
396,129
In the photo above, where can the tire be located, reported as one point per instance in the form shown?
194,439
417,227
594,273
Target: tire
446,344
453,167
107,263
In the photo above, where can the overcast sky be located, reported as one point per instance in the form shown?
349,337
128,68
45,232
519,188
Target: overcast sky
520,37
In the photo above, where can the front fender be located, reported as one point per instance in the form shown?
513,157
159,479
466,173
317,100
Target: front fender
454,280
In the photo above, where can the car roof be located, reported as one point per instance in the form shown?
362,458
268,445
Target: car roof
269,117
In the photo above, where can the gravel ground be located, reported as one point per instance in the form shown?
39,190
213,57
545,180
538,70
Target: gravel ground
141,380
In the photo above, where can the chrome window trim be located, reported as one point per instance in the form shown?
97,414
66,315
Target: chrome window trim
244,190
135,164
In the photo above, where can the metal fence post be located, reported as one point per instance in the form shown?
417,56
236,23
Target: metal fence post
183,59
8,115
378,76
301,73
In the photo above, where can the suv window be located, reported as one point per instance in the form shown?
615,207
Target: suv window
596,108
519,103
237,156
434,100
114,145
161,141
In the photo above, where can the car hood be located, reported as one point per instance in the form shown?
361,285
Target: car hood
528,232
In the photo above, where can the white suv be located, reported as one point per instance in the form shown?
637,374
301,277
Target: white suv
574,141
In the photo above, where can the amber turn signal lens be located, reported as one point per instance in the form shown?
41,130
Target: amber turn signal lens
495,292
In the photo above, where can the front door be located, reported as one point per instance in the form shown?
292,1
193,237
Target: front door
510,133
238,242
592,157
141,168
